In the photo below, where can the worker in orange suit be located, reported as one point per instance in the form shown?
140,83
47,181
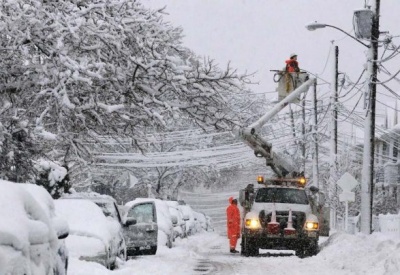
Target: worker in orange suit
292,65
233,224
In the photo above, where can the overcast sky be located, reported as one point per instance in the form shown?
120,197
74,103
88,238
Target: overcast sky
259,35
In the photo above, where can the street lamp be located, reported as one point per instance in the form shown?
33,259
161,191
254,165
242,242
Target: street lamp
315,25
367,174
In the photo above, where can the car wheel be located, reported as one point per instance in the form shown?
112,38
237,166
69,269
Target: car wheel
123,255
112,266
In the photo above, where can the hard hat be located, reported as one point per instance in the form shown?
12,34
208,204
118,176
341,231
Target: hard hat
293,55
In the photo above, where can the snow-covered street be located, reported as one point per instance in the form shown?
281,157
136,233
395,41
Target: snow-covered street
207,253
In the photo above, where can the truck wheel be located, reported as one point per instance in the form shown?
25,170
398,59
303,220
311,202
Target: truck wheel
312,249
153,250
249,247
307,250
300,252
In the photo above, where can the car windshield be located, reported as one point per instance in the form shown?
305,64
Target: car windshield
143,213
281,195
108,209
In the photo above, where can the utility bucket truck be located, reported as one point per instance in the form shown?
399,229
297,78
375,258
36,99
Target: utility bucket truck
282,213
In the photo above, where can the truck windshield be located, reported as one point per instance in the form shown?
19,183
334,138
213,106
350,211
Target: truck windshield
281,195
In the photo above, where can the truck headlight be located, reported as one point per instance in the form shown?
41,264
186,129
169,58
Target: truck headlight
311,225
253,223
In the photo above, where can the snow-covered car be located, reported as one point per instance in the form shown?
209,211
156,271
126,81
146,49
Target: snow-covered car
201,221
29,233
147,224
177,219
59,223
110,209
92,236
189,218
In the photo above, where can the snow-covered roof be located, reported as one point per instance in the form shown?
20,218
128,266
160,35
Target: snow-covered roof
88,195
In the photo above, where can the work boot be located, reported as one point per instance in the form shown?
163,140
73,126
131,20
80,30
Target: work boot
234,250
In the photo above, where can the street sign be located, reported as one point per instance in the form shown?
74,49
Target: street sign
347,196
347,182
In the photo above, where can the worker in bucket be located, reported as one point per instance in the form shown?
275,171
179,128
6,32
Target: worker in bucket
292,73
292,65
233,224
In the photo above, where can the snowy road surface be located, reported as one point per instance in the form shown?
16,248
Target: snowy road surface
207,253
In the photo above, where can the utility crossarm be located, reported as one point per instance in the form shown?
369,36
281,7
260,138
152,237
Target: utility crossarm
262,148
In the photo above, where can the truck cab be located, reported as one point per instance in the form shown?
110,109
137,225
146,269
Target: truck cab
279,215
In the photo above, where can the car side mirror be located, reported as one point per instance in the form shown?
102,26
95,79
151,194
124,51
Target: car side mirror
185,217
130,221
61,227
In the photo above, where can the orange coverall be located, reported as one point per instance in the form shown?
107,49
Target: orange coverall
233,223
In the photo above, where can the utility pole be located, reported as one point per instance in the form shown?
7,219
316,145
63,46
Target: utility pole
334,140
315,138
303,132
367,177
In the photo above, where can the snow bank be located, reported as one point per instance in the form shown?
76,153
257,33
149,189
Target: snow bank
363,254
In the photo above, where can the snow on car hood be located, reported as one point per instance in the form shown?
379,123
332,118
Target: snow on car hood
85,246
85,218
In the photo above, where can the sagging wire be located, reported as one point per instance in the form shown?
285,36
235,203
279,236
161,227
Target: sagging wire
354,84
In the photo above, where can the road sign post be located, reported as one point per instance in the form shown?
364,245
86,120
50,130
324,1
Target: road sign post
347,182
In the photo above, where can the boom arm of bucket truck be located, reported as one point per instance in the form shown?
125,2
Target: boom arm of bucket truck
262,148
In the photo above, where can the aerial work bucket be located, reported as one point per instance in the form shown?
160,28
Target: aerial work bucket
287,82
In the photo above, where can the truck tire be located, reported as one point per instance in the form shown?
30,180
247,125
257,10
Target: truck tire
153,250
249,247
307,250
300,252
312,249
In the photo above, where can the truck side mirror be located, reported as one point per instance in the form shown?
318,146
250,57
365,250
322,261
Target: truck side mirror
314,189
130,221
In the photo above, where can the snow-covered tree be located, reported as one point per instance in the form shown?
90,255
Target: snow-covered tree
77,70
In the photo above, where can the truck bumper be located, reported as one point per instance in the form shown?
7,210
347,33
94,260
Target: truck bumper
282,241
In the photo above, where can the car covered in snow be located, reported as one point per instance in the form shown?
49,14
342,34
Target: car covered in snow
110,209
93,236
177,219
202,222
148,223
189,218
30,231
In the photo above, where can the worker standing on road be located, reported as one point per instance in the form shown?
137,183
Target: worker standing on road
292,65
233,224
